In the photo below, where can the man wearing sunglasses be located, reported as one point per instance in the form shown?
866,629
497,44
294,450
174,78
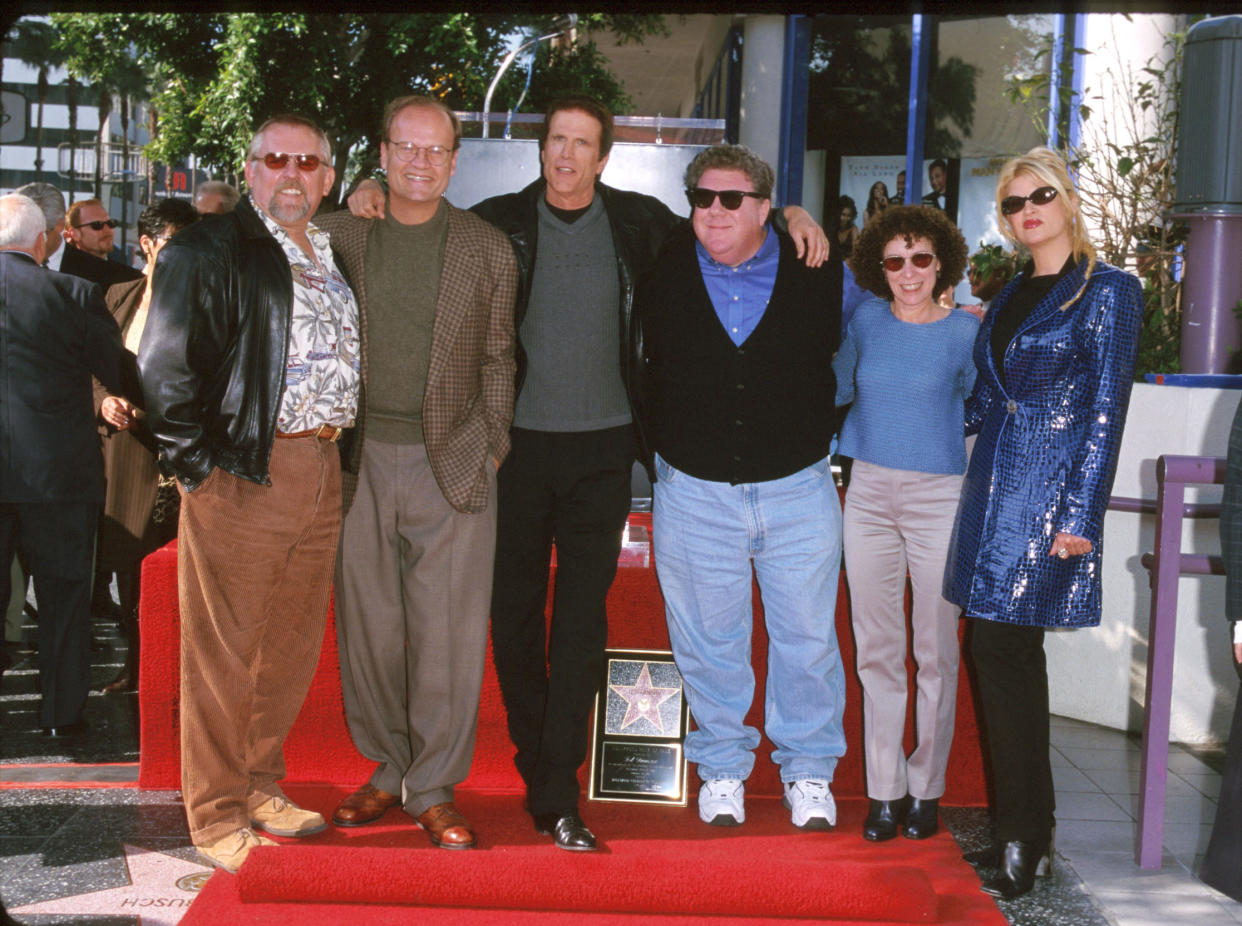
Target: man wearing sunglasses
436,286
89,228
63,257
250,367
735,393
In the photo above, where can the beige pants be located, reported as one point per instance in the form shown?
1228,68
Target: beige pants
414,584
894,521
254,574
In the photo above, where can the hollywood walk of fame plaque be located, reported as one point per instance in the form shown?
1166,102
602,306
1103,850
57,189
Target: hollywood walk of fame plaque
640,726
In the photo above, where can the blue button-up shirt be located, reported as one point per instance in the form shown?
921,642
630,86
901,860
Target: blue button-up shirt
740,294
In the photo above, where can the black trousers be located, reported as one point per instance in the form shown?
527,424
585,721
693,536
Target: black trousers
1222,862
1013,693
571,489
57,541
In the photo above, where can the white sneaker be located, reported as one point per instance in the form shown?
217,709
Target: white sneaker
720,802
810,803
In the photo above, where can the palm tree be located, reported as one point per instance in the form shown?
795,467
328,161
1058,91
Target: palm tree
36,44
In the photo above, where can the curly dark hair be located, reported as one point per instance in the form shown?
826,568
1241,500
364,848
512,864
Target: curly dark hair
908,222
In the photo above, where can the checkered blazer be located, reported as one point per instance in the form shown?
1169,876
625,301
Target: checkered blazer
468,403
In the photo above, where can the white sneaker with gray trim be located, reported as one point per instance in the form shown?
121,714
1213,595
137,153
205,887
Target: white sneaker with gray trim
810,803
721,802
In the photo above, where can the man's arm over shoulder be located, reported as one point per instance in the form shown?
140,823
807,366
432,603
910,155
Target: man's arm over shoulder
187,331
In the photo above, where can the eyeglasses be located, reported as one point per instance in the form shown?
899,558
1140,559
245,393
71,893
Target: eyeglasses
922,260
436,155
1040,197
277,160
99,226
701,198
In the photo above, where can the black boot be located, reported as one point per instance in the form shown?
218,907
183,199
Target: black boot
1021,863
882,819
990,857
921,819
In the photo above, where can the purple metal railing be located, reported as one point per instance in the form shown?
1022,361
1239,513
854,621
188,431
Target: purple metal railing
1166,565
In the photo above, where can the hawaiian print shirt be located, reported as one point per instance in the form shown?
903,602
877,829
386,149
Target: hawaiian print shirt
323,366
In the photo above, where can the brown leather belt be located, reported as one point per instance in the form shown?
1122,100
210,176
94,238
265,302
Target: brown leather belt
329,432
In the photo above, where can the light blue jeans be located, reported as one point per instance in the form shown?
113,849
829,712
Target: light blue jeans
705,536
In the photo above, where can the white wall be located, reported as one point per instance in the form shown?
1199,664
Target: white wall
1099,675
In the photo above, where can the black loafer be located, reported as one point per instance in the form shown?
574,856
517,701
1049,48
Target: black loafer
882,820
921,819
566,829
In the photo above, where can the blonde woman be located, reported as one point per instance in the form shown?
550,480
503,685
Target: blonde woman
1055,358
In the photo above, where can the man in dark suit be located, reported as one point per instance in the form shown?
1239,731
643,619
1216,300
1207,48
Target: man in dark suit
69,259
55,333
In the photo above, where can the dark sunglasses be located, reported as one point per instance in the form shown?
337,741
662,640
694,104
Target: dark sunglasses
922,260
278,160
99,226
701,198
1040,197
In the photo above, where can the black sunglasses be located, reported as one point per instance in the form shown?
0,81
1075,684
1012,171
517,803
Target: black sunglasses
1040,197
922,260
701,198
278,160
99,226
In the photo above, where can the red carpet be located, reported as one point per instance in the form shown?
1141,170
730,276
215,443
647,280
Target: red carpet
319,749
659,866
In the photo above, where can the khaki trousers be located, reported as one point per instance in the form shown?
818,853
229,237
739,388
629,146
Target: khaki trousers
414,582
254,575
894,521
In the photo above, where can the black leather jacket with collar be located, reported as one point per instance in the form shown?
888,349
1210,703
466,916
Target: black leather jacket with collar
213,350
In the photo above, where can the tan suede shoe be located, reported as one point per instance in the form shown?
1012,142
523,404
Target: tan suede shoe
228,852
280,817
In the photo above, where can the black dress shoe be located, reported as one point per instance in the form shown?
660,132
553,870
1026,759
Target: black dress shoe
921,819
67,729
567,829
882,820
1021,863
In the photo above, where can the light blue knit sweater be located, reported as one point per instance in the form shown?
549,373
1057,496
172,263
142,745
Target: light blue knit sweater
908,384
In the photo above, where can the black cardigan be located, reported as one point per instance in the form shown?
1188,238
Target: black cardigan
725,413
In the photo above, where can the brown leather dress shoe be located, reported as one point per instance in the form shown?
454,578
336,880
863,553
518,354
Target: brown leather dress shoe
366,805
446,826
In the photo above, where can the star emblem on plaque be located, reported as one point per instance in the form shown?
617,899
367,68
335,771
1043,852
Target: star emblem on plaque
640,726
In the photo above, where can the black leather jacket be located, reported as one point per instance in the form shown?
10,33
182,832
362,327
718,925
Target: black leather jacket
639,225
213,350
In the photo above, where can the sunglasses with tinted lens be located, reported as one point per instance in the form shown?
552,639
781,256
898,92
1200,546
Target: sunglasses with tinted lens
922,260
701,198
1040,197
278,160
99,226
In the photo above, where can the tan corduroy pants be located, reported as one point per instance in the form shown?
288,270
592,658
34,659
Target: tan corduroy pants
254,571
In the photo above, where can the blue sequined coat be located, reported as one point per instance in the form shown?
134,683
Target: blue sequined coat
1046,454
